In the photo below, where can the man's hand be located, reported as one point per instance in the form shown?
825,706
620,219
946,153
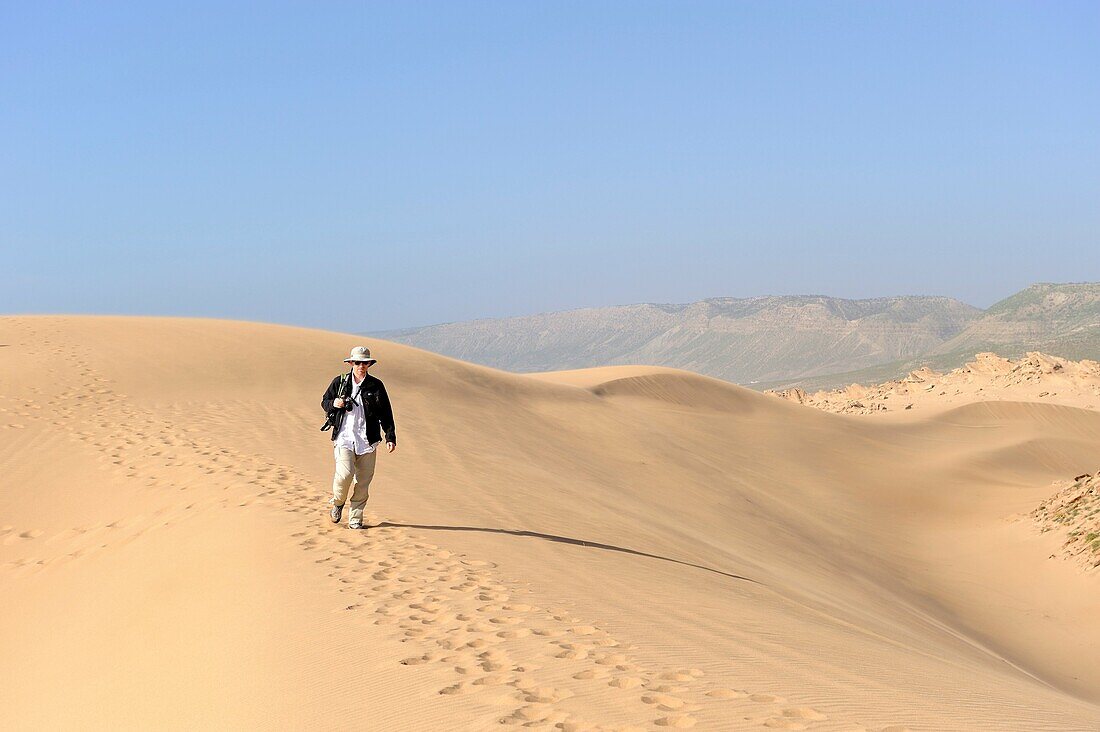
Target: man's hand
391,446
338,402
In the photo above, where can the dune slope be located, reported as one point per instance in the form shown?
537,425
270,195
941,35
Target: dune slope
619,548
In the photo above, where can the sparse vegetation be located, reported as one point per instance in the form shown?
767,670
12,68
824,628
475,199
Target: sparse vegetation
1075,506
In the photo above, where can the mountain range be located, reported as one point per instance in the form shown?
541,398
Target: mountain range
812,341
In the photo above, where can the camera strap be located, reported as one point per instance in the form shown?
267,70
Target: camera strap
348,393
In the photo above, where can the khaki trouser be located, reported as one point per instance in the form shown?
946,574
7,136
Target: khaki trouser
348,466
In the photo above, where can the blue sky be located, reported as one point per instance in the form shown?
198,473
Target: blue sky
360,166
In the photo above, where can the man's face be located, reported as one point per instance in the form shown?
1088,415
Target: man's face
359,368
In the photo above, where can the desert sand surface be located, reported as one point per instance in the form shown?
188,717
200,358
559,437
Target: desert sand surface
618,548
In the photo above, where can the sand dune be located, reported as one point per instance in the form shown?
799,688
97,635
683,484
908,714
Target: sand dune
621,548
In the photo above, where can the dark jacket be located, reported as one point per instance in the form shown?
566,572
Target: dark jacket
376,403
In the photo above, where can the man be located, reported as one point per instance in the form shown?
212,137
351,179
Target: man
361,406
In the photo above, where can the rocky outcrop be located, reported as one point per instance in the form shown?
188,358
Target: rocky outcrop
1035,377
1074,511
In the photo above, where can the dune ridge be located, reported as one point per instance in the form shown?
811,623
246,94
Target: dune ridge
542,549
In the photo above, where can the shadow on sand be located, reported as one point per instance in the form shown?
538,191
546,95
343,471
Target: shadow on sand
565,540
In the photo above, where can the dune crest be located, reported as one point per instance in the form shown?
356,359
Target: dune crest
672,387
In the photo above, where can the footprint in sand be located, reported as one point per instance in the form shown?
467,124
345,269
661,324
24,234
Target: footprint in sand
475,641
667,689
13,537
504,621
418,660
494,679
547,632
575,654
592,673
455,689
545,694
664,702
612,659
726,694
767,699
528,715
513,634
683,675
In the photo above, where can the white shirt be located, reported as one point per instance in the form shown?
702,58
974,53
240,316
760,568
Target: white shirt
353,432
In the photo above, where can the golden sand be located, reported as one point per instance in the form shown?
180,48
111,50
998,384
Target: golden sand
619,548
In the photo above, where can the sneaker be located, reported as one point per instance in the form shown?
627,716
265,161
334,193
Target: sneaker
336,513
355,524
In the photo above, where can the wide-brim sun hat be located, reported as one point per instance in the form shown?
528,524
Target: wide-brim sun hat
360,353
